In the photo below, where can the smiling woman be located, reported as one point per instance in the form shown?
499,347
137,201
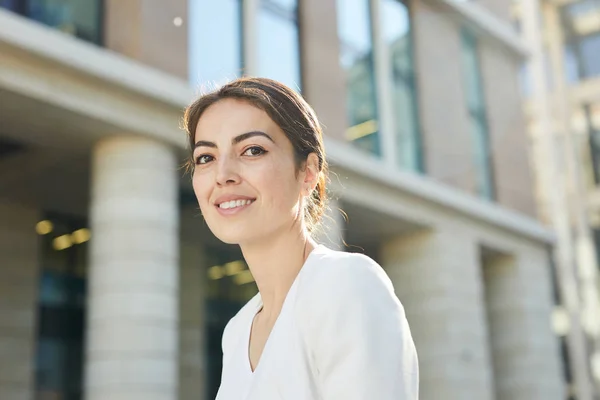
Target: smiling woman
252,99
259,172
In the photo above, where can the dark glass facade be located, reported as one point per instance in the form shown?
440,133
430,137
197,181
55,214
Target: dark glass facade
356,58
278,42
80,18
477,115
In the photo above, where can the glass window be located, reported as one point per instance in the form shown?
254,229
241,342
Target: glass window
229,286
10,4
61,310
396,29
477,114
80,18
590,54
215,41
581,21
278,42
356,58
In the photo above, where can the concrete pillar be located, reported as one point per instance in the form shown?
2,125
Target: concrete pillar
18,300
192,328
525,352
437,278
331,231
132,326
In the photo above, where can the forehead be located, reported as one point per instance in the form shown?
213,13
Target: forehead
230,117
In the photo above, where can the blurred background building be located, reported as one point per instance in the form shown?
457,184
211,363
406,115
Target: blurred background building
561,87
111,285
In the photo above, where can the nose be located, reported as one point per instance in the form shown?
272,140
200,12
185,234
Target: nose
227,172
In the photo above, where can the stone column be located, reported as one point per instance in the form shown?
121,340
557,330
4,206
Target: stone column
19,258
192,345
437,278
524,350
132,326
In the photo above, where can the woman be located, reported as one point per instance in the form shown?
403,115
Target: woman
325,324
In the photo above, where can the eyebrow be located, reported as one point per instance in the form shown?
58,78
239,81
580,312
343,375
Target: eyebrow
235,140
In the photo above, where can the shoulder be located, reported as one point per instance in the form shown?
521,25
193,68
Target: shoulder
340,272
334,279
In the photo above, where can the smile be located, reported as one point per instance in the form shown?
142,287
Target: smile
234,204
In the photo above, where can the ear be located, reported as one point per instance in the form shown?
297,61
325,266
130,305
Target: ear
311,174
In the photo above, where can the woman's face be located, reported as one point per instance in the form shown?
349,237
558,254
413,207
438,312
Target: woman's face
245,176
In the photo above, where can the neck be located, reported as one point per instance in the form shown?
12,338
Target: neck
275,263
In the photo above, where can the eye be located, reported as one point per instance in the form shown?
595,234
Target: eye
203,159
254,151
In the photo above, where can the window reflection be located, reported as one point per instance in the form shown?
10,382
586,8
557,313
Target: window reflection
356,58
80,18
61,312
9,4
215,41
477,114
396,30
581,22
229,287
278,42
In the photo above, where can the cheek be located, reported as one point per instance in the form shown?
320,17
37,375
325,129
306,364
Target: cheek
279,181
201,186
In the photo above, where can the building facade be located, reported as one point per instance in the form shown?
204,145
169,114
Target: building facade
112,287
561,87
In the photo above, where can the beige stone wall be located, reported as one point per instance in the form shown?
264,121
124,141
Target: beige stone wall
525,351
500,8
323,82
509,143
436,277
18,300
446,133
481,325
144,30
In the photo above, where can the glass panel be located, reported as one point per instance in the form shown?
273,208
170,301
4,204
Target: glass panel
477,113
395,21
356,58
51,356
80,18
61,309
10,4
278,43
571,66
482,157
590,53
471,71
229,286
215,41
582,39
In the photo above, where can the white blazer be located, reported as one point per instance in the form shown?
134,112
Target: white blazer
341,335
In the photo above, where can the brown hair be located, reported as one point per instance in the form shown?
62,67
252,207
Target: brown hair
289,111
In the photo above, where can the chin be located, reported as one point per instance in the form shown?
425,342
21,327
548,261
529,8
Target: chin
231,233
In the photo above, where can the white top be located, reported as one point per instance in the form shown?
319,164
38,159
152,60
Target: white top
341,335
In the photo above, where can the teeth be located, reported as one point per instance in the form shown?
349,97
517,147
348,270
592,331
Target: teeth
234,203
